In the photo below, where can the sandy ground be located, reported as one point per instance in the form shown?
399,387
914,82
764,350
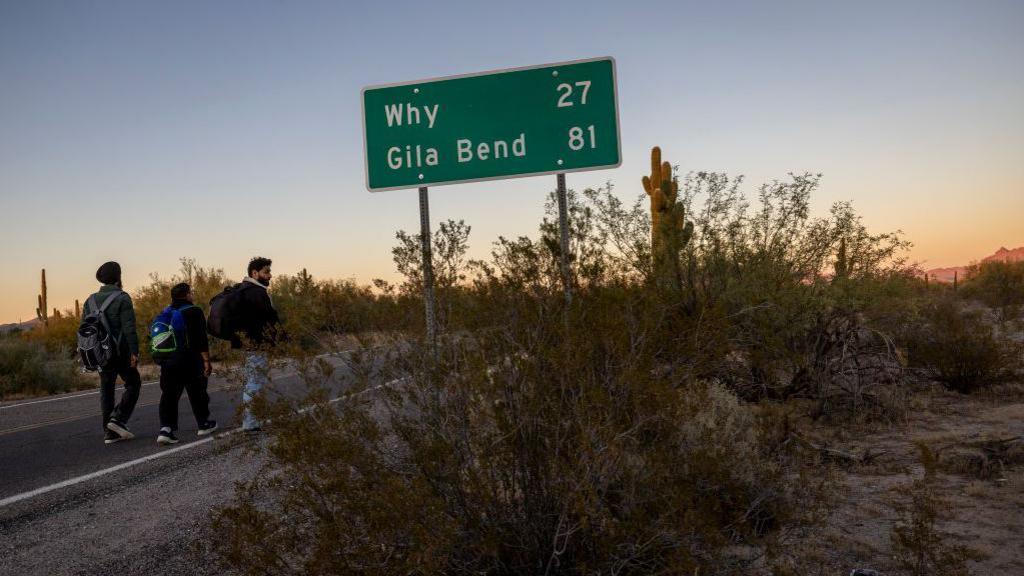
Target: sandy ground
983,510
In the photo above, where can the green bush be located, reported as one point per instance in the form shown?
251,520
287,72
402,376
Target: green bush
997,284
962,347
30,368
58,336
315,312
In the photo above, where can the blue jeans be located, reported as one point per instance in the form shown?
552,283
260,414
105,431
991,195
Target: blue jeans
255,378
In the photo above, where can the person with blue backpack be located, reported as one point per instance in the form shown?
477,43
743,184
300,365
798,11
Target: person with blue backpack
178,343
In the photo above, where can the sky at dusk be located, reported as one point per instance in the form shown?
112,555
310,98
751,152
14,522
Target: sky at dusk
144,132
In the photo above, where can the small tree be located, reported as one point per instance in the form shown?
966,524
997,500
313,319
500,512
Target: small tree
448,251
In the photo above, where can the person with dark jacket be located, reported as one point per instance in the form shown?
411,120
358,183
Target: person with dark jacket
258,321
260,327
120,316
188,371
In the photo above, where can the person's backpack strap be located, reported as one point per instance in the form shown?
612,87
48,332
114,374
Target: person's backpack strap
184,320
102,312
109,299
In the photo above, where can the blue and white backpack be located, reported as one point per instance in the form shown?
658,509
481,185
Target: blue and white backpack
168,336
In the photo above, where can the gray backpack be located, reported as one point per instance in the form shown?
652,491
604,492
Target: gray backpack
95,345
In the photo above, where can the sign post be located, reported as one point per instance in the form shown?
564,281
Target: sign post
563,228
428,270
547,119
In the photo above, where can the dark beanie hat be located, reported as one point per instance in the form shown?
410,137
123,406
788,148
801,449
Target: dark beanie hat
109,273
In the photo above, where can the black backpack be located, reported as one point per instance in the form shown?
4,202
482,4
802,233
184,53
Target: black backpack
95,345
225,308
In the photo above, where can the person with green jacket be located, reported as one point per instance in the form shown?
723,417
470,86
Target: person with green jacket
120,315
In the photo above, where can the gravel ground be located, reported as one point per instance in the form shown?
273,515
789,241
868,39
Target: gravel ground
146,520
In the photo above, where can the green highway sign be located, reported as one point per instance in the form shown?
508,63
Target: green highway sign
504,124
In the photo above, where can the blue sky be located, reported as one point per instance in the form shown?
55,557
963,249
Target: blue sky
145,131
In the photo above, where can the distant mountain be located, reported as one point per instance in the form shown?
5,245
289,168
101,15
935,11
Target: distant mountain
28,325
1001,255
1004,255
946,274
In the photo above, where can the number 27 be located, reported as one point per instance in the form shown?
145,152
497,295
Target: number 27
563,101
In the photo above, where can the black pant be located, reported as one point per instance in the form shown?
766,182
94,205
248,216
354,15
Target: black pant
132,385
186,375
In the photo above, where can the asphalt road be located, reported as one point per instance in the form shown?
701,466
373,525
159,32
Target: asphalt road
70,504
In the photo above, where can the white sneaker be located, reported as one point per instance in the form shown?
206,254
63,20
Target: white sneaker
120,429
166,437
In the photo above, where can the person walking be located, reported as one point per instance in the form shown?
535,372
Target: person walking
259,324
180,346
116,306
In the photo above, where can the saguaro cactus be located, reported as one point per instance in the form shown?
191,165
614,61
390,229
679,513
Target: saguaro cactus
842,265
41,309
78,310
669,229
305,282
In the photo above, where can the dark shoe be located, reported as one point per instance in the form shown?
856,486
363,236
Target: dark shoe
110,437
207,427
120,429
166,437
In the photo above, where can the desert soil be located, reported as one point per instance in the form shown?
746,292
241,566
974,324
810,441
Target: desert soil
983,492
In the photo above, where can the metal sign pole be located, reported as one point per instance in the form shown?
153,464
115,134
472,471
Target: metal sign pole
563,226
428,269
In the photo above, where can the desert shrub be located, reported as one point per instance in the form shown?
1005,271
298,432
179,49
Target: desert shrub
58,335
773,302
794,305
961,347
918,546
297,300
449,244
997,284
555,444
613,433
30,367
315,312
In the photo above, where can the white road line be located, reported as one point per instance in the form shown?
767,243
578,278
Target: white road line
72,481
69,396
92,475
